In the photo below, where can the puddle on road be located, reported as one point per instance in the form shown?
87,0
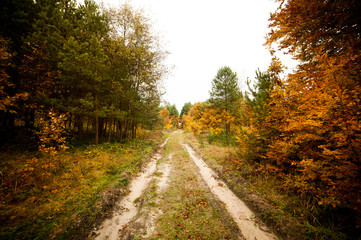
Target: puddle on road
128,210
240,213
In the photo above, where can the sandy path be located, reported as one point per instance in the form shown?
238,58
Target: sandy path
111,227
240,213
132,219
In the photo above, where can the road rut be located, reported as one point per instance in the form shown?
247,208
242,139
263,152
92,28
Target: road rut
157,206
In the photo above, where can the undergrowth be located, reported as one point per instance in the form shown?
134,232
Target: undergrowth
317,221
42,196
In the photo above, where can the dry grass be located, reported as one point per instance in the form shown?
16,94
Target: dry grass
287,211
189,210
41,197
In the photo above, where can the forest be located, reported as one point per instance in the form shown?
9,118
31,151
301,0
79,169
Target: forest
73,73
95,69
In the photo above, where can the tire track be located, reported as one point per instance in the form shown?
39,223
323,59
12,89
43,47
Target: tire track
128,210
240,213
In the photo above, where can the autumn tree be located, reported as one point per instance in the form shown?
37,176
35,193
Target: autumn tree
316,109
8,100
16,20
190,121
165,117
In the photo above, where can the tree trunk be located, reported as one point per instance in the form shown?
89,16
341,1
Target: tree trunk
134,130
96,120
30,117
70,118
87,126
120,128
104,127
79,123
228,130
110,131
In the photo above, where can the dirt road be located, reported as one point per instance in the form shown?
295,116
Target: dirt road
178,196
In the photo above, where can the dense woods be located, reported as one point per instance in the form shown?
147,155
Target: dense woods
302,127
101,67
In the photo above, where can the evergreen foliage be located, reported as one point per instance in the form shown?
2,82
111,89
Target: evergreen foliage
225,94
173,112
102,66
185,109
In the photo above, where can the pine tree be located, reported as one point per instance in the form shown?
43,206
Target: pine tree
225,92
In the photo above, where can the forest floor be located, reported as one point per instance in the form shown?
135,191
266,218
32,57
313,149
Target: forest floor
177,196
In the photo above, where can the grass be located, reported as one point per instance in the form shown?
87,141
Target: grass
49,197
285,206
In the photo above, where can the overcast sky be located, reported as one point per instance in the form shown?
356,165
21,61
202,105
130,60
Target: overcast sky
204,35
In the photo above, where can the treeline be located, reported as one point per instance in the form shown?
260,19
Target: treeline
304,127
102,67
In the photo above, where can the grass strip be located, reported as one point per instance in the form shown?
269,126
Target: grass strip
189,211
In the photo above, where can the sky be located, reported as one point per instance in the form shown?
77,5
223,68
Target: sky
204,35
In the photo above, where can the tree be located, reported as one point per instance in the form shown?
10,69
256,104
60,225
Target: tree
164,116
190,121
316,109
8,102
225,92
185,109
172,110
254,137
138,67
83,63
103,66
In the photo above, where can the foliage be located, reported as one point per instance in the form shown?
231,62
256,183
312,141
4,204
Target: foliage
225,93
220,113
166,121
51,134
173,112
8,102
206,118
316,109
185,109
252,136
44,200
169,120
225,90
102,66
303,129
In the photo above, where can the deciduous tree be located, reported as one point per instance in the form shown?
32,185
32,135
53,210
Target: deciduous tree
316,109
